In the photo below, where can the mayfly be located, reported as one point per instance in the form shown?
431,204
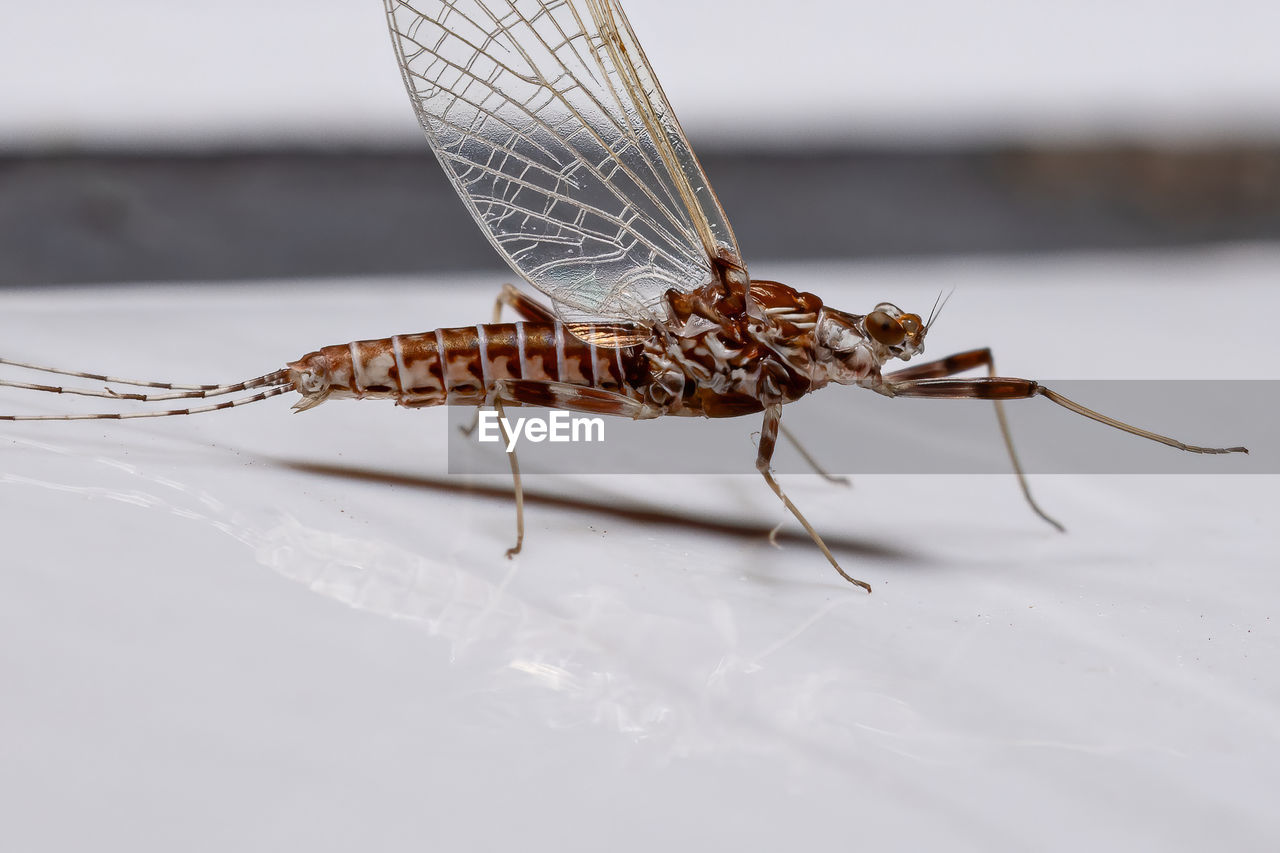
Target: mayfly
558,138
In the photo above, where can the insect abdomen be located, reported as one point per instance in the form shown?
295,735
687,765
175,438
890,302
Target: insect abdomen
461,366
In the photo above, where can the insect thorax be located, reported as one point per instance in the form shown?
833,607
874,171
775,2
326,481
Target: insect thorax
722,356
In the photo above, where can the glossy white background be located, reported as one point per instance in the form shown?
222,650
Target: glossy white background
255,631
207,643
154,73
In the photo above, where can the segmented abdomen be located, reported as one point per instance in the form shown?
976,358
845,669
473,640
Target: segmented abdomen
460,366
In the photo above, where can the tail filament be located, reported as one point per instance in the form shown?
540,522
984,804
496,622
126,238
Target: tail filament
274,384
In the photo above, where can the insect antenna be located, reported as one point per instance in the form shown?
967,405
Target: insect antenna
275,383
938,305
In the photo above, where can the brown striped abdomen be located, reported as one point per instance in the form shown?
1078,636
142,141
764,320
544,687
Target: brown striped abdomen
460,366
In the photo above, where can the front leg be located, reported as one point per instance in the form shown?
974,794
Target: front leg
959,363
1006,388
768,441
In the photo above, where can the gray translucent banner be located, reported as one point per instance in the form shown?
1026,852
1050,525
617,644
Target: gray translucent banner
855,431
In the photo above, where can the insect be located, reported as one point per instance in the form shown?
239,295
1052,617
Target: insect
559,140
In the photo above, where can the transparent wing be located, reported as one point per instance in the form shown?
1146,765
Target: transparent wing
557,136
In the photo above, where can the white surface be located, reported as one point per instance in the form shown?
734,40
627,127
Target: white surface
147,73
203,648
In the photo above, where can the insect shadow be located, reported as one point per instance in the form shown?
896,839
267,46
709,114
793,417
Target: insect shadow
631,512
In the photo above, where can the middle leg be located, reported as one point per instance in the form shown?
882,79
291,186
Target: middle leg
838,479
768,441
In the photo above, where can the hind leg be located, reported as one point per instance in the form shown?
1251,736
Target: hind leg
529,309
526,306
559,395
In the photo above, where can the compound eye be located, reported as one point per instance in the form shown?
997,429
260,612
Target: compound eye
884,328
913,325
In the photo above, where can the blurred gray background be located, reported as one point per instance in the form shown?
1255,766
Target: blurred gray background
150,141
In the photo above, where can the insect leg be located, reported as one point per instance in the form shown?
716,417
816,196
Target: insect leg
768,441
529,309
573,398
515,477
526,306
959,363
1005,388
558,395
949,366
810,461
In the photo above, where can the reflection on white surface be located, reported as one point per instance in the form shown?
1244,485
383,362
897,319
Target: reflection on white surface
522,649
650,673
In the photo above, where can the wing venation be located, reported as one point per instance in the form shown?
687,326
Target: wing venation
555,133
